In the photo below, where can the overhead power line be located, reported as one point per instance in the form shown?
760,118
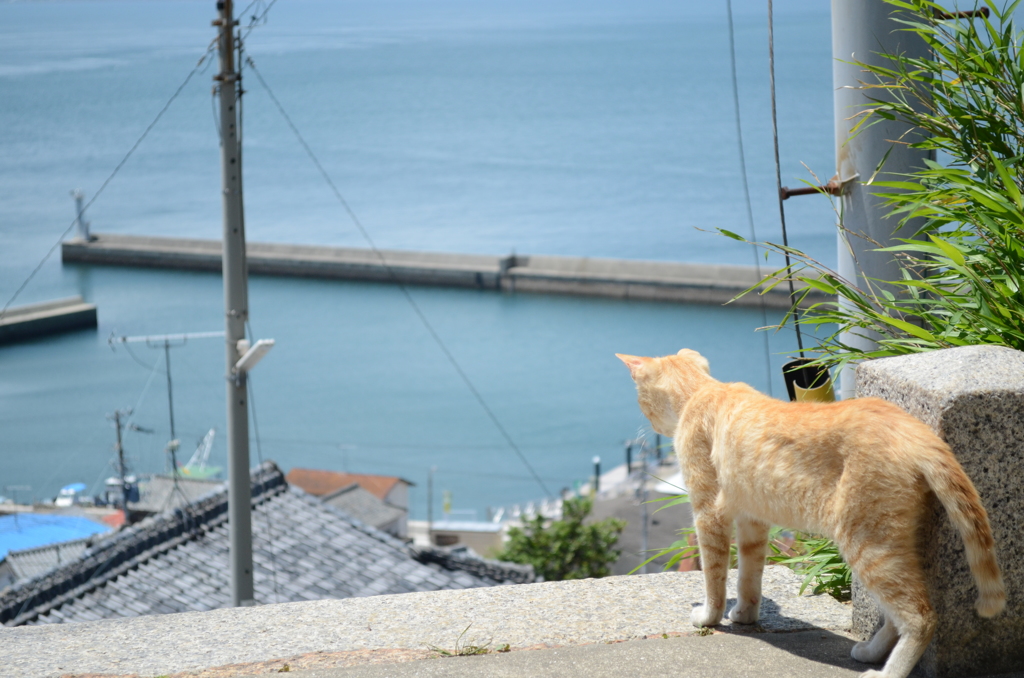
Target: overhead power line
255,19
394,277
778,177
746,185
106,181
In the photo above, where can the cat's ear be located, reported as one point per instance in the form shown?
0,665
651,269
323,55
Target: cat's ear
633,362
701,361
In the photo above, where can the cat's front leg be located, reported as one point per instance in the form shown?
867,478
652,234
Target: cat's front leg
751,542
713,537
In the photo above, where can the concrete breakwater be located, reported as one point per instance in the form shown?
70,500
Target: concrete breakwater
587,276
49,317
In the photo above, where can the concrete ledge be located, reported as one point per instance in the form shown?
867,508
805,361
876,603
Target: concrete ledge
802,654
613,278
50,317
523,616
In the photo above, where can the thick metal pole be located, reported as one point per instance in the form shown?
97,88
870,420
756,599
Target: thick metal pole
861,30
236,312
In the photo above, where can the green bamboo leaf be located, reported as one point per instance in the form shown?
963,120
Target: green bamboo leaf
730,234
909,328
1008,183
675,502
819,285
991,203
675,499
948,249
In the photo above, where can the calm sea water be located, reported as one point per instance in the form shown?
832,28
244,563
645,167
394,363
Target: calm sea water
558,127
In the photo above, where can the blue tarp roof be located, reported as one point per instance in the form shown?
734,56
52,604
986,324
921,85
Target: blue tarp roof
27,530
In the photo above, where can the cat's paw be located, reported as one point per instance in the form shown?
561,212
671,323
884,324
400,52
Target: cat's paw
747,615
863,652
704,616
872,674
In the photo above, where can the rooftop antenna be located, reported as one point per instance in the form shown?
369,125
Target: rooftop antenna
166,341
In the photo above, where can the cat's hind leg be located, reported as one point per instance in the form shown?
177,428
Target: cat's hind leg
751,543
875,650
713,532
894,578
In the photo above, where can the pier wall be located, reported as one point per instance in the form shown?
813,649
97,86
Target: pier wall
50,317
585,276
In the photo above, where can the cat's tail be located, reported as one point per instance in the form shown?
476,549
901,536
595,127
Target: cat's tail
959,497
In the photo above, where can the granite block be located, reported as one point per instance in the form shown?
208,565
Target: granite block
973,398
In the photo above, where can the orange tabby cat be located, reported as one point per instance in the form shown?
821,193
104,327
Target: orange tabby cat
858,471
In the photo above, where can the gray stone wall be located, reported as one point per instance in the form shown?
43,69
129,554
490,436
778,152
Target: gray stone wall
973,397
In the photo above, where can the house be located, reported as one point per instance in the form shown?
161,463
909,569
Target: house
332,485
366,507
158,493
485,538
177,561
28,563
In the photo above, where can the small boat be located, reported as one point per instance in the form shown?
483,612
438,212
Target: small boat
70,495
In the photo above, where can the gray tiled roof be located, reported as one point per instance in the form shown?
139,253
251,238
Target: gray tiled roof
177,561
364,506
33,562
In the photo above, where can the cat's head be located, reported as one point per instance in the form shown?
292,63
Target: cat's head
663,385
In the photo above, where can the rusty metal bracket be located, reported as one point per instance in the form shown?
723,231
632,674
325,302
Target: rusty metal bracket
967,14
833,187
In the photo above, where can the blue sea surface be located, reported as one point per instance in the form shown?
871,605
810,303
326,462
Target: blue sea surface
562,127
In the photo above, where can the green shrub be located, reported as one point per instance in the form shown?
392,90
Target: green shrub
818,560
566,548
815,557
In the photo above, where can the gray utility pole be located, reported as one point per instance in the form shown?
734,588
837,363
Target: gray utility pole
236,313
120,418
861,29
121,469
